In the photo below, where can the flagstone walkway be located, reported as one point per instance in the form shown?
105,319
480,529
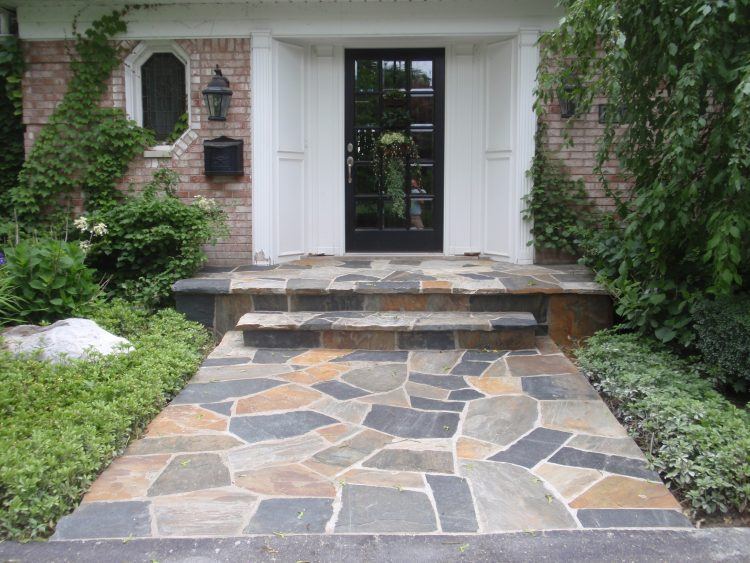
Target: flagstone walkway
338,441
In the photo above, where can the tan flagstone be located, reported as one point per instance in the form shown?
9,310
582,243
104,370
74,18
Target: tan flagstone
434,361
426,391
568,481
435,286
249,371
546,345
396,398
317,356
375,478
337,431
211,512
469,448
286,397
617,491
323,468
185,419
345,411
589,417
497,385
497,369
127,477
283,452
614,446
286,480
314,374
539,365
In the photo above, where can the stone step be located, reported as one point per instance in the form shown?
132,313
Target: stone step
406,330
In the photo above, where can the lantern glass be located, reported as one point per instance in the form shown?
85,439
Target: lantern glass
567,105
217,97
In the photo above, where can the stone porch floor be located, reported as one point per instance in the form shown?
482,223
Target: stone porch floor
339,441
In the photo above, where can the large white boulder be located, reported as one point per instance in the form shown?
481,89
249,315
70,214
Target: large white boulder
69,338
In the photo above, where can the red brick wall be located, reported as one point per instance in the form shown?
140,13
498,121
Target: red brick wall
47,72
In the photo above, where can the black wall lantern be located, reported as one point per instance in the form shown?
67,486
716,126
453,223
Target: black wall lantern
567,105
217,96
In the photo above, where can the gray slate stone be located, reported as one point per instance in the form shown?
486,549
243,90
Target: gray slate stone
465,395
339,390
455,506
412,460
473,369
106,520
551,387
276,426
221,390
291,515
500,420
381,510
277,356
221,408
374,356
408,423
442,381
212,362
378,378
480,356
435,405
532,449
175,444
191,472
632,518
612,463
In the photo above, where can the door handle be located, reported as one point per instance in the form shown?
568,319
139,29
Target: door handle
349,166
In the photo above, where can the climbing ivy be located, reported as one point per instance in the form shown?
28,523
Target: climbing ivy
83,147
557,206
11,128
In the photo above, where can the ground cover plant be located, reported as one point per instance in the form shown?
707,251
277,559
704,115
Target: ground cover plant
696,438
62,424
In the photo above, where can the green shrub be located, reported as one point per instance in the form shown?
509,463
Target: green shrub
723,337
11,303
51,278
153,239
696,439
62,424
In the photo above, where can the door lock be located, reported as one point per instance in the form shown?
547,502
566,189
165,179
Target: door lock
349,166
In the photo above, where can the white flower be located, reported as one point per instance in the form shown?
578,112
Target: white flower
82,224
85,246
204,203
99,229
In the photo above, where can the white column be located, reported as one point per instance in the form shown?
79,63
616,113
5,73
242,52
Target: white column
261,86
528,60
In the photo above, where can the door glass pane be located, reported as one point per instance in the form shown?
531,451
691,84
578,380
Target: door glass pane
366,111
424,141
364,143
421,75
394,74
420,214
366,75
365,180
390,219
395,110
421,179
422,110
366,214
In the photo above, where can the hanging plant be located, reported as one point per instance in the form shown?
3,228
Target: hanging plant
393,152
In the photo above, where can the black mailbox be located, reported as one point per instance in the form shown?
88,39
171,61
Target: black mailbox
223,156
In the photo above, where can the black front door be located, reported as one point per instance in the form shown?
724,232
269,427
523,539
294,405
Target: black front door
394,150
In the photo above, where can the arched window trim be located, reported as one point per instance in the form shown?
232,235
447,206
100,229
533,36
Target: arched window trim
133,96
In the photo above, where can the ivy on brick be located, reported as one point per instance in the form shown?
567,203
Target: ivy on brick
11,105
83,148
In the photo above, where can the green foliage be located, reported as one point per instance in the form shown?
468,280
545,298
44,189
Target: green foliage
392,152
11,303
11,128
83,146
51,278
62,424
153,239
180,126
723,337
680,72
557,206
696,439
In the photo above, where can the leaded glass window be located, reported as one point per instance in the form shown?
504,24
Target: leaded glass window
163,91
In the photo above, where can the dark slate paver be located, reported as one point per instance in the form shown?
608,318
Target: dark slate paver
455,506
532,449
552,387
211,362
409,423
412,460
274,356
436,405
373,356
442,381
221,390
339,390
465,395
632,518
291,515
481,356
473,369
106,520
221,408
383,510
612,463
191,472
275,426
